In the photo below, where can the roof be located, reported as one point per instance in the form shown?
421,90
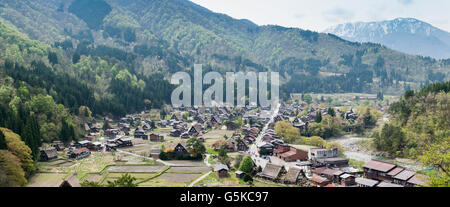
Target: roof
404,175
71,181
417,180
318,179
391,185
271,170
50,152
239,172
292,175
319,170
396,171
81,150
219,167
379,165
366,182
345,176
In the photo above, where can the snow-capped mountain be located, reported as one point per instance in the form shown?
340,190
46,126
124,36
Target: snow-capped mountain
407,35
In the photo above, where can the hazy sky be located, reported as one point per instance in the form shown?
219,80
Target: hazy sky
319,14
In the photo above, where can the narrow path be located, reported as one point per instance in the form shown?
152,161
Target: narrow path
199,179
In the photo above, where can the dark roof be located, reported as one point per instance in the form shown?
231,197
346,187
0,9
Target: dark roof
418,180
395,171
318,179
379,165
50,152
404,175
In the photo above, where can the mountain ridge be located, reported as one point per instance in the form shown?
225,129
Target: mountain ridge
408,35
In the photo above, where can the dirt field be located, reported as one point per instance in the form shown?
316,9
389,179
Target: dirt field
136,169
178,178
46,180
198,170
187,163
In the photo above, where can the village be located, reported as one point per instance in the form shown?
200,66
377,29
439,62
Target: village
158,152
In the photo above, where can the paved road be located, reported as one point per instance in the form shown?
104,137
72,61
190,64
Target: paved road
254,149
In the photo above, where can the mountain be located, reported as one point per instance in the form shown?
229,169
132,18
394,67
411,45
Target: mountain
407,35
108,43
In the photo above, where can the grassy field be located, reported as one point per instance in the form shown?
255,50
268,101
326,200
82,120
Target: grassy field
214,181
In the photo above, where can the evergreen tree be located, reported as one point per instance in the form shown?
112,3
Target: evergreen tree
318,117
331,112
3,145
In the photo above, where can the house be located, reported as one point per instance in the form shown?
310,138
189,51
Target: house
337,162
71,181
111,147
320,153
94,146
111,133
139,133
221,170
175,133
195,130
378,170
48,154
265,148
347,180
82,144
403,177
365,182
58,145
154,137
180,148
241,145
79,153
239,174
272,172
290,154
215,121
416,180
125,142
292,175
319,181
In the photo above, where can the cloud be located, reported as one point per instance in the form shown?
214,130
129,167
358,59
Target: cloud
338,15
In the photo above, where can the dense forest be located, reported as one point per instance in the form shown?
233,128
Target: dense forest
61,66
420,129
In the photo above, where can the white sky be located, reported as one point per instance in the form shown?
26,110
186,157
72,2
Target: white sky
317,15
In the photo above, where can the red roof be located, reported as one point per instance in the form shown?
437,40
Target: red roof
81,150
318,179
395,171
379,165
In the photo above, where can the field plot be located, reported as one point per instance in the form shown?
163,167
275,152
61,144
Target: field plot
46,180
198,170
187,163
178,178
93,177
136,169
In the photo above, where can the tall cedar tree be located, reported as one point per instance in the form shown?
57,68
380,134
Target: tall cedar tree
3,145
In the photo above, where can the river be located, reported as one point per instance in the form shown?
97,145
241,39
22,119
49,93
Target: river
354,150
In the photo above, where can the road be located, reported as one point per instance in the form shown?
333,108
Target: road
254,149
